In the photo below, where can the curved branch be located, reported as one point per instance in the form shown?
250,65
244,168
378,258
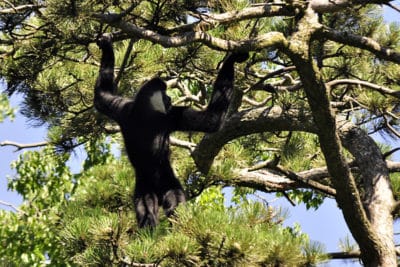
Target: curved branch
248,122
329,6
261,11
307,182
271,39
361,42
381,89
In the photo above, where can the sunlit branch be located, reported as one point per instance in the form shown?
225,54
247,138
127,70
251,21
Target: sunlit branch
20,146
183,144
271,39
16,9
361,42
265,10
307,182
327,6
380,89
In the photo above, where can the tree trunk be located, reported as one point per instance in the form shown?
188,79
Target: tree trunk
370,225
377,196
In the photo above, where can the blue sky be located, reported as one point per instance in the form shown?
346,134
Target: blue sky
325,225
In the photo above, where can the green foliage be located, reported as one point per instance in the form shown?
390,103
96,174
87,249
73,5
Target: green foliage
42,176
203,233
5,109
49,55
24,240
310,198
28,238
395,181
98,152
98,228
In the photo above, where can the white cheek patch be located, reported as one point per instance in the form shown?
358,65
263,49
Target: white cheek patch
156,102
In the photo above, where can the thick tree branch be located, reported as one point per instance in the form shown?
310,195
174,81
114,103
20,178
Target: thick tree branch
261,11
393,166
361,42
271,39
307,182
247,122
271,169
183,144
375,248
378,198
274,180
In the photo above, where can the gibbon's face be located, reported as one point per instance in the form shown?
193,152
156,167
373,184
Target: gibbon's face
159,101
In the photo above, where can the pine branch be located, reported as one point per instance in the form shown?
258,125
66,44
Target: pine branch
328,6
261,11
308,182
381,89
271,39
361,42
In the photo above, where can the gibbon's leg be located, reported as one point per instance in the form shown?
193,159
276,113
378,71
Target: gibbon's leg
146,207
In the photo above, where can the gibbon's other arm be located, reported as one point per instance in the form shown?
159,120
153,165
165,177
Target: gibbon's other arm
105,99
187,119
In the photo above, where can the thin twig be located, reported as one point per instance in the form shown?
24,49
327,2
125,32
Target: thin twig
12,206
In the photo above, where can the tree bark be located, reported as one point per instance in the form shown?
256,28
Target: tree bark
374,250
377,196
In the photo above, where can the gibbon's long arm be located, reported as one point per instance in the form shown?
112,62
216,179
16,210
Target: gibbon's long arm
187,119
105,99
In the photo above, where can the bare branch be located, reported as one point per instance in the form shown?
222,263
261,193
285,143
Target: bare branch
263,180
20,146
12,206
381,89
261,11
16,9
345,255
393,166
248,122
389,153
308,182
181,143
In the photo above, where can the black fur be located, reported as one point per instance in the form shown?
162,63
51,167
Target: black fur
146,123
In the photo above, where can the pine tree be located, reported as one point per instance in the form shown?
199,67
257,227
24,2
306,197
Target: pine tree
322,78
